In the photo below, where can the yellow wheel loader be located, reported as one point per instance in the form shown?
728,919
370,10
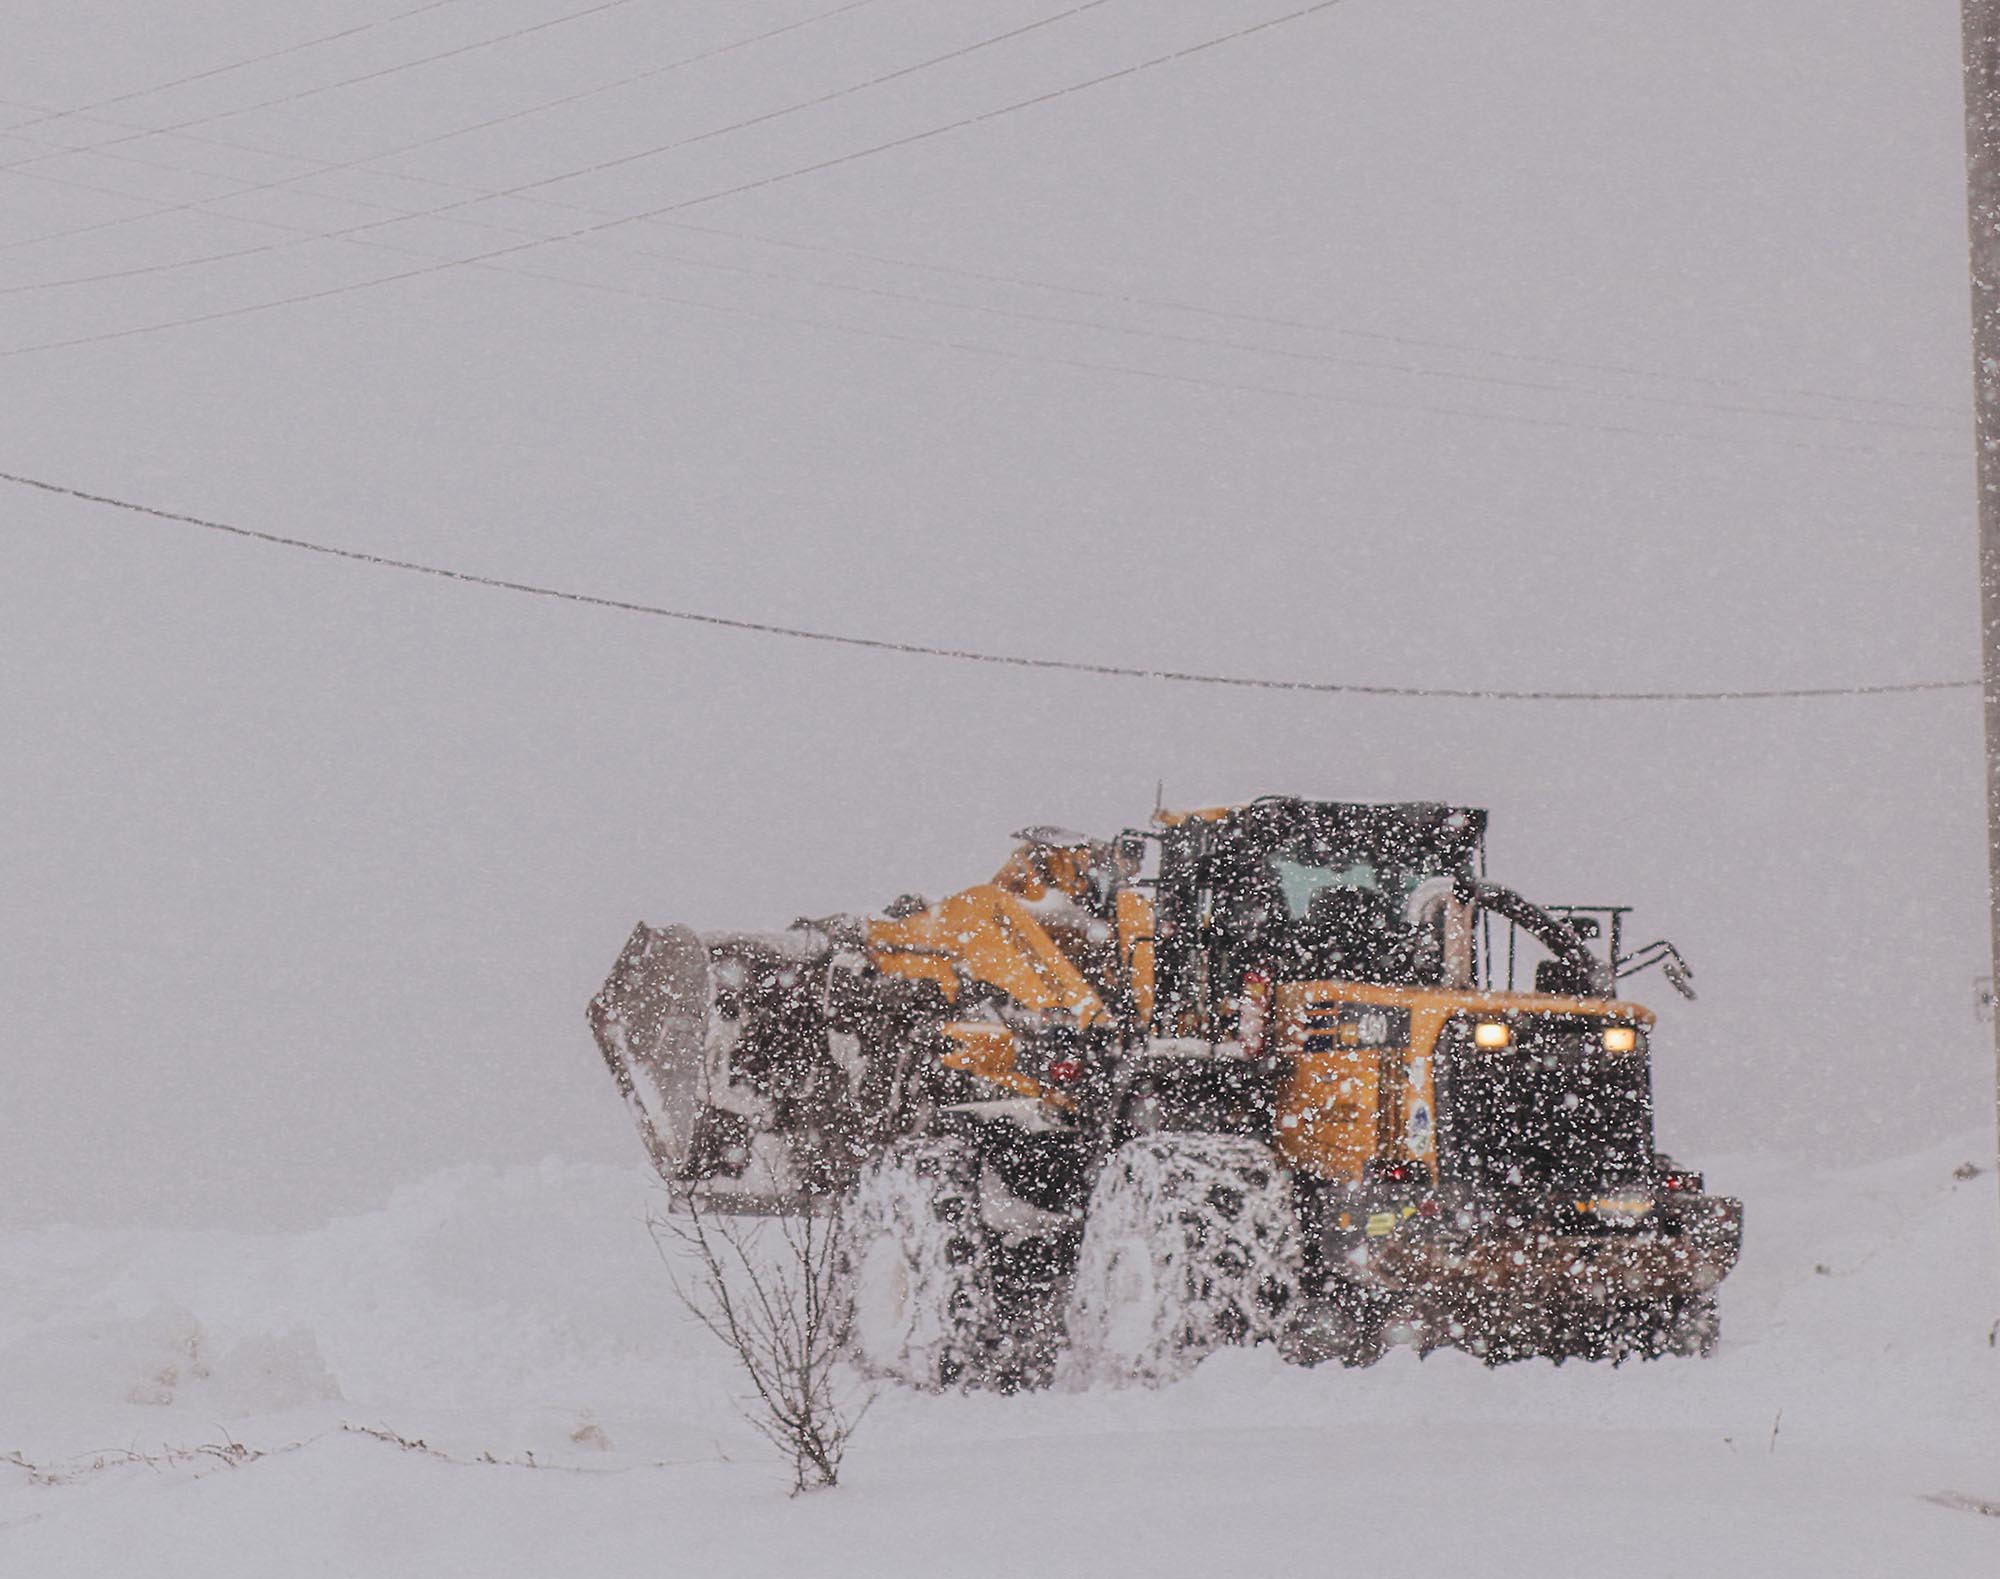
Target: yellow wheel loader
1257,1073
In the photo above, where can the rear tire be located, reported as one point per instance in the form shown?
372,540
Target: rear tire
1190,1243
914,1264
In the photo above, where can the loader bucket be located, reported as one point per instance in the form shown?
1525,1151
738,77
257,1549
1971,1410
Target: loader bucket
651,1024
722,1043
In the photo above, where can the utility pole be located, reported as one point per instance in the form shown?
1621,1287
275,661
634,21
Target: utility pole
1982,166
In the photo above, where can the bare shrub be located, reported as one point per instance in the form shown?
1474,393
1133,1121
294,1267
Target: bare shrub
767,1289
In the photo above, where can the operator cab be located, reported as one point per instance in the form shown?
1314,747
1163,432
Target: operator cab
1379,895
1315,890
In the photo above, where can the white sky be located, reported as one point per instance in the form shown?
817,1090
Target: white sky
311,868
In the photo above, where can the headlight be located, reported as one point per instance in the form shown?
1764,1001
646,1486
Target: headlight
1491,1034
1620,1038
1626,1209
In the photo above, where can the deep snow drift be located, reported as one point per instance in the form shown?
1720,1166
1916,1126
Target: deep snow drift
519,1325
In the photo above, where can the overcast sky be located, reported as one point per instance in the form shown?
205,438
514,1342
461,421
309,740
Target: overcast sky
1560,344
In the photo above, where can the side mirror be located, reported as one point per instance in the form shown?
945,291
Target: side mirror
1679,974
1674,968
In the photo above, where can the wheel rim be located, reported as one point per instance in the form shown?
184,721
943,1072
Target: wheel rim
1126,1314
882,1307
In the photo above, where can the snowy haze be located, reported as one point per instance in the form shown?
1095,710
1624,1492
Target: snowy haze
311,867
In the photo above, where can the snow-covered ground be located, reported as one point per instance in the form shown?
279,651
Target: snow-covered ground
519,1324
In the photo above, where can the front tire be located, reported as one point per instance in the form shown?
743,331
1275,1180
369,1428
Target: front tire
913,1260
1190,1243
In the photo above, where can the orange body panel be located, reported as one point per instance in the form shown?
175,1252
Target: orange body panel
1030,932
985,1049
992,936
1328,1111
1343,1106
1135,948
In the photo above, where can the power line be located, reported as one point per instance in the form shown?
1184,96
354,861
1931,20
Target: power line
970,655
1323,358
482,195
954,54
1125,298
488,261
1329,359
591,230
595,229
847,158
1195,381
1081,364
348,231
235,65
769,115
611,224
1414,342
322,167
1170,58
300,237
303,236
348,82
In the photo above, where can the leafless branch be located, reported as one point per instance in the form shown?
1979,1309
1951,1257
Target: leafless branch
204,1458
228,1453
778,1309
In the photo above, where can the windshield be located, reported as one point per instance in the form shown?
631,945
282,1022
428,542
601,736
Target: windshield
1322,907
1303,875
1314,891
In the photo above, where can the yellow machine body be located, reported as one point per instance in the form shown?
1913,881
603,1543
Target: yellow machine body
1343,1105
1029,934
